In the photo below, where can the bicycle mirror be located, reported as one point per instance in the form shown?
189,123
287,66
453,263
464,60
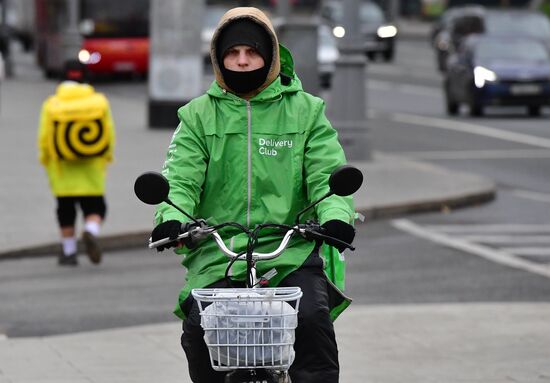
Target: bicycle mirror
152,188
345,180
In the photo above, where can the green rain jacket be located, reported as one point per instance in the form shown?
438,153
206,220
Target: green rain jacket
254,161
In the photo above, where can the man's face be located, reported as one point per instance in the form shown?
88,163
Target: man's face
242,58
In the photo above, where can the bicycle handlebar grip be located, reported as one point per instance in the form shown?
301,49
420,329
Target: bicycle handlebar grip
314,231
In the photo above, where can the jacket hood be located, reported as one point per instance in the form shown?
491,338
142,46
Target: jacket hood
70,90
259,17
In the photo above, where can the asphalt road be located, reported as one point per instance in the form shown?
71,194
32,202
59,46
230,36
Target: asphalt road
492,253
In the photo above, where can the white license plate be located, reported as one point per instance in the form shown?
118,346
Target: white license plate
124,66
525,89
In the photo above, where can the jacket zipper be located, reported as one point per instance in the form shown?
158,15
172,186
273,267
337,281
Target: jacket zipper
249,185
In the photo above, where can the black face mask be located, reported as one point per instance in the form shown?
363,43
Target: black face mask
244,82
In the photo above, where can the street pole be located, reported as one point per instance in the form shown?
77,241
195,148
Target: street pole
71,39
298,31
395,9
347,106
5,41
175,60
283,9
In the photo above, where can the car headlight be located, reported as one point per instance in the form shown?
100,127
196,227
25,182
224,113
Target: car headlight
87,57
483,75
339,31
386,31
84,56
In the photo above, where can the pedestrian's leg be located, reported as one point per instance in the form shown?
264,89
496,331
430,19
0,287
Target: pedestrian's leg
94,209
66,217
316,349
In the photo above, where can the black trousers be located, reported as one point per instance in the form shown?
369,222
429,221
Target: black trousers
316,350
66,208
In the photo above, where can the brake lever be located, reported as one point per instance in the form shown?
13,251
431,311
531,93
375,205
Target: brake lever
345,244
197,233
314,231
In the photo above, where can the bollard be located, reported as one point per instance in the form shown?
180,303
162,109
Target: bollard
347,107
175,61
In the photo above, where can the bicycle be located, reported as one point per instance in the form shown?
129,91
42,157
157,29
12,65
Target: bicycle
249,331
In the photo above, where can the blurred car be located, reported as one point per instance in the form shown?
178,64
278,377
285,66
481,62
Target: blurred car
445,20
491,70
463,21
518,22
454,25
378,33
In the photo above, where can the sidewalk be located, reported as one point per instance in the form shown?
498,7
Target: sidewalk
474,343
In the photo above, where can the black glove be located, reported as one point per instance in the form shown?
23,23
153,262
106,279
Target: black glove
169,229
339,230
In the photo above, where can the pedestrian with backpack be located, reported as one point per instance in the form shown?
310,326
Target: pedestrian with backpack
76,139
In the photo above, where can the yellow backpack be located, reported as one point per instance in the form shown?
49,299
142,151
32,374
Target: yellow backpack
79,127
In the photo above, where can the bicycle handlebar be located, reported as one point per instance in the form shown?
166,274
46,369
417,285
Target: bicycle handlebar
204,231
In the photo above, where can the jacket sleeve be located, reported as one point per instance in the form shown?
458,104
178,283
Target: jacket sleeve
323,154
43,154
184,168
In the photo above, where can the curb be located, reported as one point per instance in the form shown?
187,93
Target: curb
111,242
442,205
139,239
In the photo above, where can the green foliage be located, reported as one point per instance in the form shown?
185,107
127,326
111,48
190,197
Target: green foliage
545,7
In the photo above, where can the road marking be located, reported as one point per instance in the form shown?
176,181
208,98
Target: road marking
535,196
411,89
477,154
498,256
465,127
397,71
528,251
495,228
507,239
420,90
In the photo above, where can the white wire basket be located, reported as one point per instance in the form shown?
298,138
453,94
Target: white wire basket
249,328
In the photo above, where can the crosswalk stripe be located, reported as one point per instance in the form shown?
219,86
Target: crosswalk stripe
497,256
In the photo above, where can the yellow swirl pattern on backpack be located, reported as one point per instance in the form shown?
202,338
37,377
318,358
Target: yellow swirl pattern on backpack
80,128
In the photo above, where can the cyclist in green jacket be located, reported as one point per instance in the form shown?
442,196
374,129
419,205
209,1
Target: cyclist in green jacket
256,148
